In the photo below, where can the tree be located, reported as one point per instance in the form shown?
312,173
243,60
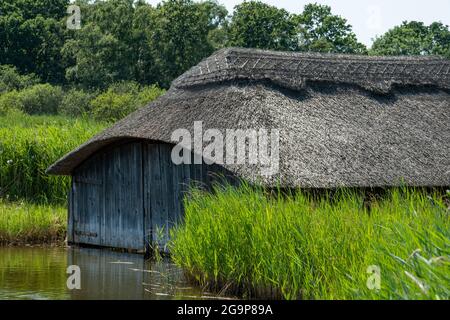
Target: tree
414,38
98,58
29,9
180,35
145,70
31,36
257,25
11,79
131,40
321,31
217,16
101,52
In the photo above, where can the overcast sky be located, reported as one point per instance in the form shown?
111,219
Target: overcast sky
369,17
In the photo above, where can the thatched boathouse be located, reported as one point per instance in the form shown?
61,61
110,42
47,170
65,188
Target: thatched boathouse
352,121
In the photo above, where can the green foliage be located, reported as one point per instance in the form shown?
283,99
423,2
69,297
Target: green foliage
111,106
97,59
148,94
179,35
257,25
414,38
321,31
76,103
104,50
316,248
9,102
123,87
11,79
121,40
31,8
146,70
22,223
121,99
129,40
29,145
40,99
31,35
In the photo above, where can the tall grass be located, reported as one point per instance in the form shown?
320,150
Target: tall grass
300,247
29,145
22,223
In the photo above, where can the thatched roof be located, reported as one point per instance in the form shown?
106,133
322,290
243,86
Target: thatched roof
344,120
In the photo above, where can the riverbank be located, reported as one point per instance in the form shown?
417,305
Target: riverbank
22,223
33,204
239,241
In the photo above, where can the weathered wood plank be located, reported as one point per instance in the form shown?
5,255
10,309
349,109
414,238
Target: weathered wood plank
132,195
147,196
176,192
70,214
167,172
123,216
87,206
155,191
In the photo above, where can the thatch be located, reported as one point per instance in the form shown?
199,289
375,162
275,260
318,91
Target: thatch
344,120
294,70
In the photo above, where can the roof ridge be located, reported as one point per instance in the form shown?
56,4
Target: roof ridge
286,68
326,55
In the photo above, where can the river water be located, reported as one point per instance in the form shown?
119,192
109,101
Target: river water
40,273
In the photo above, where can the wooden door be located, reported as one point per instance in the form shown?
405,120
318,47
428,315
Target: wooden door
123,217
165,185
87,206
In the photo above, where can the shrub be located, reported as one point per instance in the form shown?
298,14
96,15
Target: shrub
76,103
111,106
121,99
41,99
148,94
123,87
9,101
10,79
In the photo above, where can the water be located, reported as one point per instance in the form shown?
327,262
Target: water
40,273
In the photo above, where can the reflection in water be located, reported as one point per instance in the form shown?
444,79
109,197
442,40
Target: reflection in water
33,273
40,273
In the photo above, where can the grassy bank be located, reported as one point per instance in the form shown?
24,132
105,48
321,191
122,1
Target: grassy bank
297,247
32,203
24,223
28,145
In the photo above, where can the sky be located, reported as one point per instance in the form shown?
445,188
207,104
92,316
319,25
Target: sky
369,18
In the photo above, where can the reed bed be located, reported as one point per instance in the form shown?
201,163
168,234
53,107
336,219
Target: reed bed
24,223
28,145
299,246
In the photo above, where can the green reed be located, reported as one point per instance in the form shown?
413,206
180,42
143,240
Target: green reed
29,145
308,247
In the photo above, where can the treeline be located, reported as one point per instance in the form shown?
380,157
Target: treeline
133,42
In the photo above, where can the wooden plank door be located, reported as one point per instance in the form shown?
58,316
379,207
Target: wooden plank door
123,217
161,194
165,185
87,206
